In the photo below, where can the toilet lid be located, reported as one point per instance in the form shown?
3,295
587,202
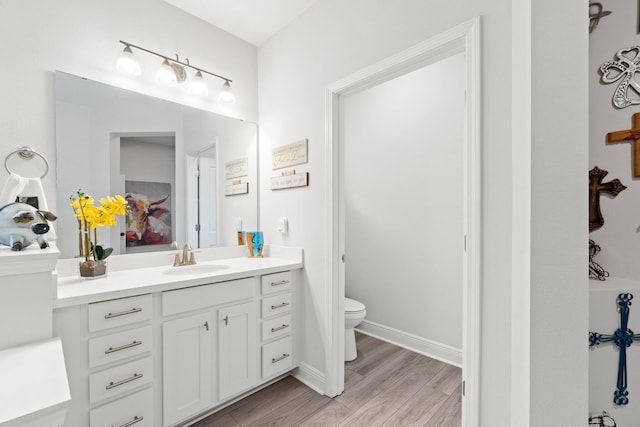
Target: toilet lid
351,305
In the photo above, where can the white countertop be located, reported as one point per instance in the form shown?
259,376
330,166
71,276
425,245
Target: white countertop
73,290
34,382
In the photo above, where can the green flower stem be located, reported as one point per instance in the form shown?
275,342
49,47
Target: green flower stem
95,244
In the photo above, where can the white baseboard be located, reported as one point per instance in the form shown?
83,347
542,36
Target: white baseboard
311,377
435,350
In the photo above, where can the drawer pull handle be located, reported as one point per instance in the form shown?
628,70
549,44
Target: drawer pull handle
206,325
277,359
284,304
135,420
122,347
122,313
126,380
279,328
280,283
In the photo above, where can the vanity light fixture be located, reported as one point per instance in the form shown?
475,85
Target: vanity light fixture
198,86
127,63
172,71
165,74
226,94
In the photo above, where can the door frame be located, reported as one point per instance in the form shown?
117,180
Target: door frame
464,38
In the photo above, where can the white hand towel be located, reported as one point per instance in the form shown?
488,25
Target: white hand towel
12,187
18,186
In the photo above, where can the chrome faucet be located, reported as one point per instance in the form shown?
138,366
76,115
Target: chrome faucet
188,257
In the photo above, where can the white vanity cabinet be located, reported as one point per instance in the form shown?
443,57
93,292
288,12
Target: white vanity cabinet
108,347
210,350
187,351
176,351
277,355
237,349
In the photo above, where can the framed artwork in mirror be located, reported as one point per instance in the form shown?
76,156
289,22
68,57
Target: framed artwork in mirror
149,217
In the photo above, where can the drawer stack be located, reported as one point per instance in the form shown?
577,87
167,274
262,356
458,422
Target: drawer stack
120,362
276,324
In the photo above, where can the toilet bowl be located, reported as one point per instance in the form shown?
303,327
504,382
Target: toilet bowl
354,313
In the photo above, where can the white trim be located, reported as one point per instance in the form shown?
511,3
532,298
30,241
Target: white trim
472,274
435,350
521,106
462,38
310,376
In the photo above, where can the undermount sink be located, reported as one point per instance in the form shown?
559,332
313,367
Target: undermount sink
195,269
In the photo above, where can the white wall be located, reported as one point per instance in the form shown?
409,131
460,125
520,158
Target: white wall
336,38
558,286
619,238
403,154
81,37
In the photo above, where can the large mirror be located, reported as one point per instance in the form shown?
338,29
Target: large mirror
189,175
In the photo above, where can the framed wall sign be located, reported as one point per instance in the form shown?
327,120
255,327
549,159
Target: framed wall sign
236,168
290,180
236,188
289,155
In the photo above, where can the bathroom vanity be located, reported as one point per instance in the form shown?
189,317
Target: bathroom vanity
156,345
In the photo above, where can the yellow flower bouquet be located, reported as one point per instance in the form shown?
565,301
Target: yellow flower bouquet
90,217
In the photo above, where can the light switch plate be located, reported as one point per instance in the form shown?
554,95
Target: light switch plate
283,225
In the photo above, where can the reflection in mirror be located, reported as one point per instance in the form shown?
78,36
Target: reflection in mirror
171,161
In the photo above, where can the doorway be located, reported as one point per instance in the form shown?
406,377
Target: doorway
463,39
202,197
402,144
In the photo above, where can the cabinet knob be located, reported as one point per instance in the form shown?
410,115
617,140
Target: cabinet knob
206,325
226,320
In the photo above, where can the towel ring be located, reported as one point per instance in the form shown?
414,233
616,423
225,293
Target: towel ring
27,153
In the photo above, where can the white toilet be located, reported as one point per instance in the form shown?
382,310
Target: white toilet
354,313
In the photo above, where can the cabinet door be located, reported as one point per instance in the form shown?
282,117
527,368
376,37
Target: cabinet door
237,349
187,377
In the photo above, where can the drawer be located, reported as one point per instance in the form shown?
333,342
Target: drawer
277,357
277,304
276,282
182,300
118,346
135,411
276,327
119,379
119,312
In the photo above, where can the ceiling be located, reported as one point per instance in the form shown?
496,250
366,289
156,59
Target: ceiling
251,20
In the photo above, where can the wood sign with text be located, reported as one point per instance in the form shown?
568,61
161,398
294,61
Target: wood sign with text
289,155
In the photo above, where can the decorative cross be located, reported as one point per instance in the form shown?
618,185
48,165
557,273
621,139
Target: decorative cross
630,135
595,13
623,337
596,220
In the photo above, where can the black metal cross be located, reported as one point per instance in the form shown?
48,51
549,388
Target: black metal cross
623,337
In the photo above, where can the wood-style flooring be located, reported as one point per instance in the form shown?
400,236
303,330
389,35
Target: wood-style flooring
385,386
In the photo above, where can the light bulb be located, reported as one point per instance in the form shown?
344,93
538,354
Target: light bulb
127,63
165,75
226,95
198,86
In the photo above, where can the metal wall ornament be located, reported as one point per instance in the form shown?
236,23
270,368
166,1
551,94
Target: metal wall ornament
596,186
623,337
595,270
624,68
595,13
603,420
